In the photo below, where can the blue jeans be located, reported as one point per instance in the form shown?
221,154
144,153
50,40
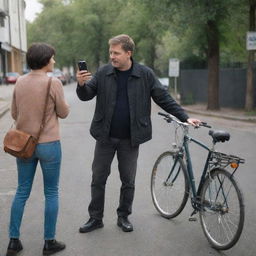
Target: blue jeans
49,156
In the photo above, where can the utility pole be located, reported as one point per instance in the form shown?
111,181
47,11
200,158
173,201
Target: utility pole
174,70
251,46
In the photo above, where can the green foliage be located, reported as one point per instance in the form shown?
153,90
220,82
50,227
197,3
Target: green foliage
80,29
233,48
251,113
51,27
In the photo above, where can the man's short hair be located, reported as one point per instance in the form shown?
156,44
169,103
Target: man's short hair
39,55
126,42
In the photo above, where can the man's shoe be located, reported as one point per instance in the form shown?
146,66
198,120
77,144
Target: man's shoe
14,247
125,224
91,225
53,246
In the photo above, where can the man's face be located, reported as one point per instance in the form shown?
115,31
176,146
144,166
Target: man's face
119,58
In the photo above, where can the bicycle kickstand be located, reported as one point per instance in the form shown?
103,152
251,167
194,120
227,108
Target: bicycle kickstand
191,218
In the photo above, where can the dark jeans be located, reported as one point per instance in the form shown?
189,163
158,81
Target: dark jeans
127,164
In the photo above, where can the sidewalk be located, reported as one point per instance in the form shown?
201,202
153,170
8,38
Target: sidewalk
200,109
5,98
226,113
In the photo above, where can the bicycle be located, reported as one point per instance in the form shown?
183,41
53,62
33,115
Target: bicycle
217,198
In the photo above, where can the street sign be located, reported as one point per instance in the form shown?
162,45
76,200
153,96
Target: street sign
174,67
251,40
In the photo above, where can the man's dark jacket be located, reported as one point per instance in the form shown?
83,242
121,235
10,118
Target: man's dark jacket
141,86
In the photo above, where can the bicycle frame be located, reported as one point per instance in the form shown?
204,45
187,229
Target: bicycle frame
195,198
195,192
222,161
185,148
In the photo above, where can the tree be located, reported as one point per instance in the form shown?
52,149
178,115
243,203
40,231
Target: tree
205,20
54,25
78,29
232,46
197,31
94,26
141,20
207,17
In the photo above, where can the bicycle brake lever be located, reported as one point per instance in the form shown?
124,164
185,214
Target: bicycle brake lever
168,120
205,125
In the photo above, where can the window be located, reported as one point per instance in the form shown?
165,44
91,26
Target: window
1,21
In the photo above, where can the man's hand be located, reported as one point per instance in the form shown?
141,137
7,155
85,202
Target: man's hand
83,76
194,122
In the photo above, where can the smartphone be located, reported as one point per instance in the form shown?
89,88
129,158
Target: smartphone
82,65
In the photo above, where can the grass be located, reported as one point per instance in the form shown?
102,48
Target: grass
251,113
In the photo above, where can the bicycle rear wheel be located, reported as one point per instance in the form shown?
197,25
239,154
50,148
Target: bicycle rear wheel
222,213
169,185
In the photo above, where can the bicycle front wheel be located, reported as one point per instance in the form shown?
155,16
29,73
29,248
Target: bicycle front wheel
169,185
222,213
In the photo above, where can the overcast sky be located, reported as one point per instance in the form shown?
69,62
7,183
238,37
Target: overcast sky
32,8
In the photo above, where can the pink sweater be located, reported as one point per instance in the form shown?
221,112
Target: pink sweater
28,105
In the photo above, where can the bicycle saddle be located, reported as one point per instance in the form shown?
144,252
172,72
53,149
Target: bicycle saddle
219,136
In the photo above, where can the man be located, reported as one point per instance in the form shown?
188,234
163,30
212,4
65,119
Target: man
121,123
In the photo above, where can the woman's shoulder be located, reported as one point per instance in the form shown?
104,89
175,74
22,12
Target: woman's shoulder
56,86
56,82
25,81
22,77
32,77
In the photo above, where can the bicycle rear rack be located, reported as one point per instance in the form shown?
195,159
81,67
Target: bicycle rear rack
223,160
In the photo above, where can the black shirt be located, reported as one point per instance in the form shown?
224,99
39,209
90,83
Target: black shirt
120,124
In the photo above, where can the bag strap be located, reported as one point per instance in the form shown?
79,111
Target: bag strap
45,106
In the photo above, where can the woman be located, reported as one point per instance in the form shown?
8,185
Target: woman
27,110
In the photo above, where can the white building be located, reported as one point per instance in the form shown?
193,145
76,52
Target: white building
13,36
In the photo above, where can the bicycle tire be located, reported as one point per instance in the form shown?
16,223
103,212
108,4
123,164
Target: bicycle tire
222,210
169,198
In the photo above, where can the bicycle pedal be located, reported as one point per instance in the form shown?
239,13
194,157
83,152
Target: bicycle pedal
192,218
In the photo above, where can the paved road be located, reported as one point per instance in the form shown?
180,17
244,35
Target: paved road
152,235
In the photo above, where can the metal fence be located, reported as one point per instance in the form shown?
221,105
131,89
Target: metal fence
193,85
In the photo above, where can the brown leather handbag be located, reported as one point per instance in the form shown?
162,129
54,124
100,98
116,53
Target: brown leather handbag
21,144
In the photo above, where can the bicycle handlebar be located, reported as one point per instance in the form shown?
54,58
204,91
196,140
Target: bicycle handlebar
163,114
204,124
169,118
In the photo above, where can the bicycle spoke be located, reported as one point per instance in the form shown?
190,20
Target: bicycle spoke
220,216
169,185
227,230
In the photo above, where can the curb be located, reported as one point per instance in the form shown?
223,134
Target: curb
219,115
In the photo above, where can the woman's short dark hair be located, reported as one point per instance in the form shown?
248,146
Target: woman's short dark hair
39,55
